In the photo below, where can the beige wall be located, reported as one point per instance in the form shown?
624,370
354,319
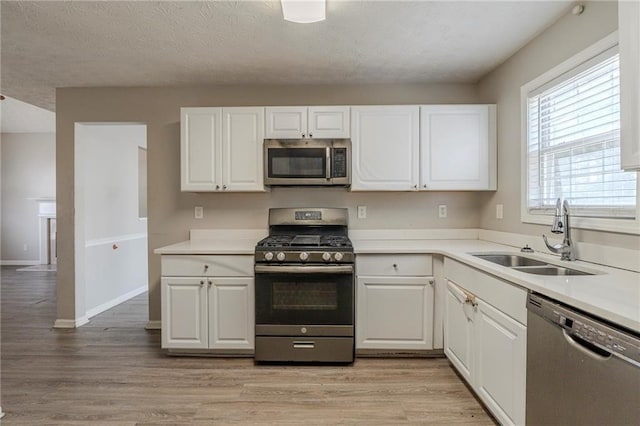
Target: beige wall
28,171
565,38
171,211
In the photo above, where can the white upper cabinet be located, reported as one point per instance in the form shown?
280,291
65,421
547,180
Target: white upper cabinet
385,145
329,122
200,149
307,122
629,48
221,149
242,153
458,147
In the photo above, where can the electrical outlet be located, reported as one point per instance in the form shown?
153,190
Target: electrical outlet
362,212
442,211
198,212
499,211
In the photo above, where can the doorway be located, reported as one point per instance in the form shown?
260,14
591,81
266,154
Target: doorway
110,216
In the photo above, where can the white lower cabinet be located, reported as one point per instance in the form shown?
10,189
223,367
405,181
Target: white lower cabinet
500,349
208,312
484,341
458,330
394,302
184,313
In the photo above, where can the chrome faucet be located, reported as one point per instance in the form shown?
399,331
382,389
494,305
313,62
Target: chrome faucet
561,226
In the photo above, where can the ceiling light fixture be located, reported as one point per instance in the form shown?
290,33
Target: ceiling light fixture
303,11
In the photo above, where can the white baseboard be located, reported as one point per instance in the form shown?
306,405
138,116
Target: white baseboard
153,325
114,302
19,262
68,323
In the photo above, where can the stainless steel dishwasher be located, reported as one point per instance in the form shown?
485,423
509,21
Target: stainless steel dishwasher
580,370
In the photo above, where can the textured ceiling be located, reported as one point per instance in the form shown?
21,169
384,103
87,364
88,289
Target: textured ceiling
53,44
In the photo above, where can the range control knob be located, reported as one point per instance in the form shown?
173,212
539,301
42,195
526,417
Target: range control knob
304,256
326,256
280,256
268,256
338,256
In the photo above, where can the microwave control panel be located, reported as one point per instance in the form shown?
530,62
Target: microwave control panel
339,163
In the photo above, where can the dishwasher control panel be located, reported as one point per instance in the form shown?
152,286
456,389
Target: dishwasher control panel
578,325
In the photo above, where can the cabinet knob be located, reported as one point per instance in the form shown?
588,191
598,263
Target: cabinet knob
432,282
217,187
395,266
415,186
310,135
209,283
224,186
303,135
201,283
206,267
424,186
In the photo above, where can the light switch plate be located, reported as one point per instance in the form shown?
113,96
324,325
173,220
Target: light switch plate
198,212
499,211
442,211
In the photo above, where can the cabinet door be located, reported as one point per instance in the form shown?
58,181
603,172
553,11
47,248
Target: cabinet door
231,313
184,313
394,313
329,122
458,331
242,139
385,145
200,149
500,350
286,122
458,147
629,35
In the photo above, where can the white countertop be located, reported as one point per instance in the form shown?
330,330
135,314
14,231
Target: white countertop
211,246
612,294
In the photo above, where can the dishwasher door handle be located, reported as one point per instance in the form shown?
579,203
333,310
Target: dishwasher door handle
580,345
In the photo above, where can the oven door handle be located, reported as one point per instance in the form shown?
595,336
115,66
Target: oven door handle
286,269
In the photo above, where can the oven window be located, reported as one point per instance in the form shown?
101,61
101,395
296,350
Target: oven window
297,162
302,296
293,298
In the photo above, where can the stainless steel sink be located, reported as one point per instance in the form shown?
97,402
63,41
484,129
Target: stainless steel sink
528,265
550,270
510,260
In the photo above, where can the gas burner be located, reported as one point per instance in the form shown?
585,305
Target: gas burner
336,241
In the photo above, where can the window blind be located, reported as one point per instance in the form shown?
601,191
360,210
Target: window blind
574,143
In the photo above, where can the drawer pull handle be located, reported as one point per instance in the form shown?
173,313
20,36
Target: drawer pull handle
304,345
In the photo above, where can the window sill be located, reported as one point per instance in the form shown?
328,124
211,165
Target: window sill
621,226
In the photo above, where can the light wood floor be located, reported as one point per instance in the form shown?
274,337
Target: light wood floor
112,372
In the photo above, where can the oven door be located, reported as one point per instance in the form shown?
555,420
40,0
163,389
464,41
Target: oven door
299,300
297,163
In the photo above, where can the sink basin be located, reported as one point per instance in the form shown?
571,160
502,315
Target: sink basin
510,260
550,270
528,265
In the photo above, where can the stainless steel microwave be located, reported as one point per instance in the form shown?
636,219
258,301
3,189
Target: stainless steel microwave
296,162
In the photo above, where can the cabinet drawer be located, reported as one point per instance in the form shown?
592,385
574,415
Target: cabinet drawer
394,264
207,266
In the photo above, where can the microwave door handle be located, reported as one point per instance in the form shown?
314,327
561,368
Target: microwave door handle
328,173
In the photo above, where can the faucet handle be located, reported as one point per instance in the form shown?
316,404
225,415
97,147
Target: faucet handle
526,249
555,248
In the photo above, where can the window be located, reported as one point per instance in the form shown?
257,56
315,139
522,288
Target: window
573,142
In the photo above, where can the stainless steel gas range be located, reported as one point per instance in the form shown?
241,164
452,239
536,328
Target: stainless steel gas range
304,292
